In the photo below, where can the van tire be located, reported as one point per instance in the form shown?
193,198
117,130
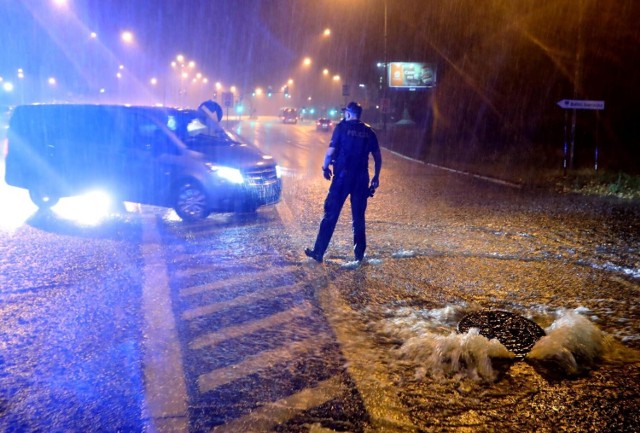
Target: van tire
191,203
42,199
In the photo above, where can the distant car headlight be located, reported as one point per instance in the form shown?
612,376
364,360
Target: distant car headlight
229,174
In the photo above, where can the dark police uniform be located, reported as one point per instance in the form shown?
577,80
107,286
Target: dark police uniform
353,141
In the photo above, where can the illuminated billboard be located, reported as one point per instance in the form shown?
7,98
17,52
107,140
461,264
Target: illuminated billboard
412,75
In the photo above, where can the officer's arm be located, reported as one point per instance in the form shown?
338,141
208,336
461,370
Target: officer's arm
377,160
327,158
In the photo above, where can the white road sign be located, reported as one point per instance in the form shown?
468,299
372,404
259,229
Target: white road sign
578,104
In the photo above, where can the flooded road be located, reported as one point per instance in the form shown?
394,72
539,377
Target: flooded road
442,245
144,323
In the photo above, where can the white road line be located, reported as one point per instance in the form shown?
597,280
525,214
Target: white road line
216,285
165,389
259,362
205,310
181,257
214,338
270,415
208,268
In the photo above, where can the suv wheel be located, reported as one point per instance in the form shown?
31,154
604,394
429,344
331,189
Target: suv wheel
42,199
191,202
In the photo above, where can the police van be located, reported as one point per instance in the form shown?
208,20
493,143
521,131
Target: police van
159,156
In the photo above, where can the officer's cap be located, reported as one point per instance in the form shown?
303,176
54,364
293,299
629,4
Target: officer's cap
354,108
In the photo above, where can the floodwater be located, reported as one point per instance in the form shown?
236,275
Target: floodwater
568,263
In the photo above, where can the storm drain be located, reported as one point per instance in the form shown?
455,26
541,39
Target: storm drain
517,333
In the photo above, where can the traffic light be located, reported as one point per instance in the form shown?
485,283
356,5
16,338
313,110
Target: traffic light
269,91
286,91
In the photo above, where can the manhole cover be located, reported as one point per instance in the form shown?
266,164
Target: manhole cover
518,334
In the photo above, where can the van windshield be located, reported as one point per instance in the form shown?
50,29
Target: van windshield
206,140
197,133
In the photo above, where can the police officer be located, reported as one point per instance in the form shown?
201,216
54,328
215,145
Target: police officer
351,143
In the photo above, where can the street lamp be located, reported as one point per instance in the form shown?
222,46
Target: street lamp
127,37
182,67
21,81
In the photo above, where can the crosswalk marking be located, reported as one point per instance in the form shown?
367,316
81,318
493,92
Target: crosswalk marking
240,279
186,256
255,363
204,279
271,415
214,338
239,301
208,268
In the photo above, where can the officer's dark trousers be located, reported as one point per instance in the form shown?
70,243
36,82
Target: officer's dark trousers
357,187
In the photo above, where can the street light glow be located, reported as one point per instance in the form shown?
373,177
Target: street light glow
307,61
327,32
127,37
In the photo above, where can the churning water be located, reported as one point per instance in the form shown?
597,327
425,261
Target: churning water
428,341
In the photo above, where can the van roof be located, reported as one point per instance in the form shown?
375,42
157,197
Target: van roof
147,108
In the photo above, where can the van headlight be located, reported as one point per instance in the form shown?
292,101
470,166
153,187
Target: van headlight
229,174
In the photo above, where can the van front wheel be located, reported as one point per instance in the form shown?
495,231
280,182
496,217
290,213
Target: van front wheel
42,199
191,202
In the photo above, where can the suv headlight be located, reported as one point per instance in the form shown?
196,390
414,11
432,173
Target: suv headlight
229,174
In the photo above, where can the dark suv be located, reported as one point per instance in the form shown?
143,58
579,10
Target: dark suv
151,155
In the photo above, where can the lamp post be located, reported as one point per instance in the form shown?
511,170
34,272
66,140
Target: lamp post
21,81
182,66
385,84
